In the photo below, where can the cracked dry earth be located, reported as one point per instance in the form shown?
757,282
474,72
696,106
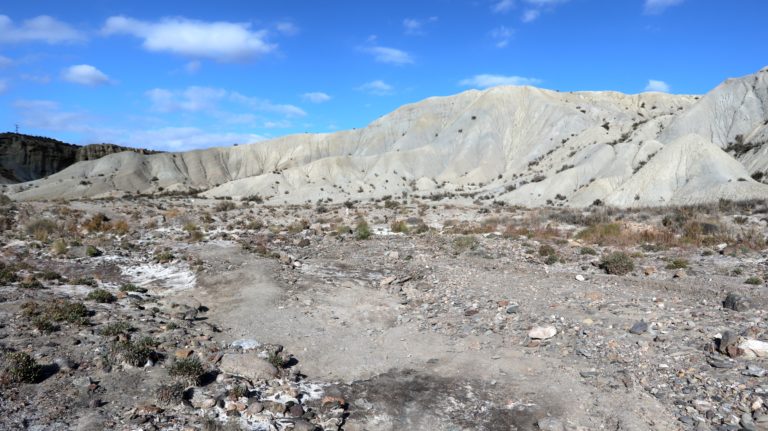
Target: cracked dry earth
432,331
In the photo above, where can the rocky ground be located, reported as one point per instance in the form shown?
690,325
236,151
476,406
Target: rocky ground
174,313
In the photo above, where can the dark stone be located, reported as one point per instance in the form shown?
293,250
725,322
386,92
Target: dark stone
736,302
638,328
728,339
296,410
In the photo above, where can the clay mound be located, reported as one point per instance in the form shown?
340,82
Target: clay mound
520,145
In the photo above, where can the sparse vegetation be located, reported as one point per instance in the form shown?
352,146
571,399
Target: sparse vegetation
135,353
362,230
188,370
101,296
20,367
754,281
617,263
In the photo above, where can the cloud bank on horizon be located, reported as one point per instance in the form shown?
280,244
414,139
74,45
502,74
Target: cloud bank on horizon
178,76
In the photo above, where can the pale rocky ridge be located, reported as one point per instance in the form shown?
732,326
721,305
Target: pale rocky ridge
520,145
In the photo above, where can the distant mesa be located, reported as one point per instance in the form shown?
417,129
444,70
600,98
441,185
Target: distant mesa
508,145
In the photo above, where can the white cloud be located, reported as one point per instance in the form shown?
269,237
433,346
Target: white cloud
5,62
208,99
415,27
502,35
42,28
184,138
531,15
652,7
3,86
38,79
486,80
192,99
265,105
316,97
47,115
387,55
503,6
537,7
659,86
412,26
192,67
85,74
377,87
287,28
221,41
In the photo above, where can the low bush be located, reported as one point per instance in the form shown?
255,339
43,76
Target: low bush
617,263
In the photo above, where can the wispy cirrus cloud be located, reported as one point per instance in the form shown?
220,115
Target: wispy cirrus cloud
501,36
503,6
387,55
655,7
415,27
316,97
218,40
43,28
210,99
377,88
488,80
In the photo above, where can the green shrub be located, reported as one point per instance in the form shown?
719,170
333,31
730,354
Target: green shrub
57,311
21,367
551,259
547,250
399,226
362,230
617,263
92,251
464,243
276,360
189,370
135,353
678,264
164,256
754,281
130,287
101,296
116,328
588,251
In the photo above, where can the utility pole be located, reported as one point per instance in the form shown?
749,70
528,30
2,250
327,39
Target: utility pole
17,128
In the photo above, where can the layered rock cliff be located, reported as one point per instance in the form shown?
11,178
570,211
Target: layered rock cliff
27,158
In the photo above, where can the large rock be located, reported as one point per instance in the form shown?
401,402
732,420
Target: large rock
247,365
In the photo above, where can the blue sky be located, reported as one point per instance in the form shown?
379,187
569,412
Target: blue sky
177,75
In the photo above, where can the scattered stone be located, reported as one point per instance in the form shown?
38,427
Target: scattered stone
580,277
680,273
248,365
721,361
727,339
512,308
736,302
754,371
638,328
649,270
183,353
542,332
551,424
754,348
